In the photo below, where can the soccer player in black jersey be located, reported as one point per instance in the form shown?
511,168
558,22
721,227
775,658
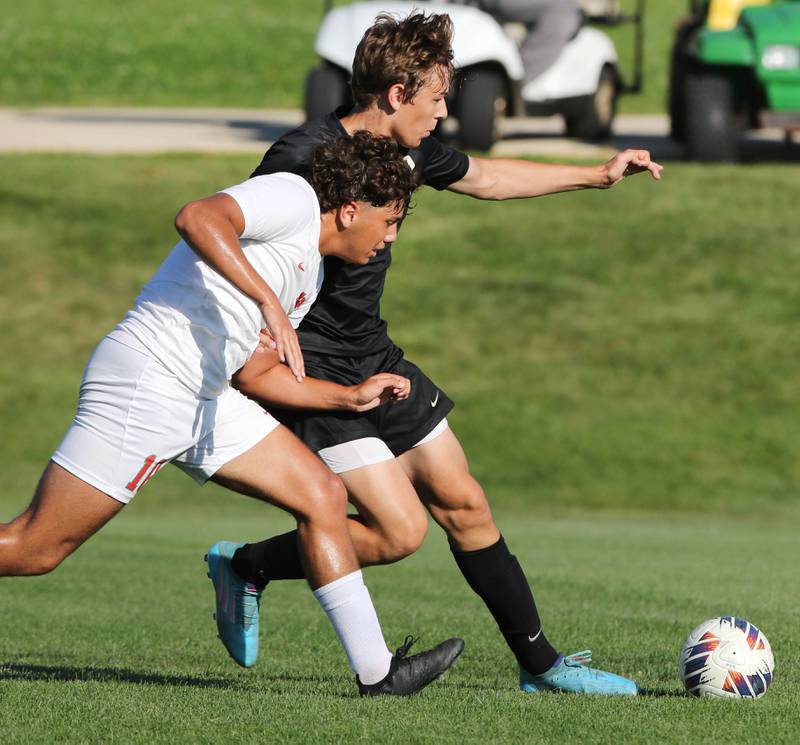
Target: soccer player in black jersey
395,459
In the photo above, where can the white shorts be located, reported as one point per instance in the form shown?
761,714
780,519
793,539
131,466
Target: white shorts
367,451
134,416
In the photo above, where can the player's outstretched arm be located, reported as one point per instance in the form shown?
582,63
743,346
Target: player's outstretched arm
263,378
504,178
212,227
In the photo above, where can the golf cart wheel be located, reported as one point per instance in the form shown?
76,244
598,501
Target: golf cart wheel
591,119
481,105
711,130
679,67
326,90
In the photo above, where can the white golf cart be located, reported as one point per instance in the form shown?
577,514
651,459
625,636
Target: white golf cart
582,84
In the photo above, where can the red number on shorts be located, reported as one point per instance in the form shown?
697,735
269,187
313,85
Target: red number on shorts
153,471
133,485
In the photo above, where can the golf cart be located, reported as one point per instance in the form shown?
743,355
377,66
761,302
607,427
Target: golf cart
735,66
582,84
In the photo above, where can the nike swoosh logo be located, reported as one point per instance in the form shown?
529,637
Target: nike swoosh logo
435,400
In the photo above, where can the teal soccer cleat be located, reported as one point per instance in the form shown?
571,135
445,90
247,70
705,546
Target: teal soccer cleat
237,605
573,674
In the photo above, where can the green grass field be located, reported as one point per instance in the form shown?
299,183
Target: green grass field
623,364
205,53
119,644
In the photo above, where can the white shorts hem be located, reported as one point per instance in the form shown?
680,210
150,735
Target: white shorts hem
201,475
433,434
348,456
115,493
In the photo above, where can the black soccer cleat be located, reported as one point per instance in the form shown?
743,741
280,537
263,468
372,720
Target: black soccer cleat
408,675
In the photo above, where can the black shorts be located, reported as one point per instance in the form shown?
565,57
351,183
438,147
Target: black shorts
400,426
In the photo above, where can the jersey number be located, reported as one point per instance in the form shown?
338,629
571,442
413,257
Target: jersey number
149,469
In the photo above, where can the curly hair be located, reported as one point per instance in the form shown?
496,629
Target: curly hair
361,168
403,51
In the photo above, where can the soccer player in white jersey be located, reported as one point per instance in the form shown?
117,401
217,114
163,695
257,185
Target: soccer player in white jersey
157,390
398,460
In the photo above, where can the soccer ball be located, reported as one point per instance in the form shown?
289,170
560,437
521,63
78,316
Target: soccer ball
727,657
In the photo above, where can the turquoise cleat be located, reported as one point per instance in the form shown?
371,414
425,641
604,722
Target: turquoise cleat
238,602
573,674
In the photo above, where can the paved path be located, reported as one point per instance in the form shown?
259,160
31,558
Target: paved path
124,130
128,130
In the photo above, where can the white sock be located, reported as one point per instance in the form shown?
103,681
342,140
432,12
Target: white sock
349,608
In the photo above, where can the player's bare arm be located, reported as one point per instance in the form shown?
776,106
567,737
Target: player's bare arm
505,178
212,227
263,378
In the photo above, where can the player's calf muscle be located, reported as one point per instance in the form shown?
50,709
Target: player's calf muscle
398,541
467,519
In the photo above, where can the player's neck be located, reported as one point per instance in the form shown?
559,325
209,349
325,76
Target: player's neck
373,119
328,234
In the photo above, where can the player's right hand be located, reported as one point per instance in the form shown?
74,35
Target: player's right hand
284,339
380,389
628,163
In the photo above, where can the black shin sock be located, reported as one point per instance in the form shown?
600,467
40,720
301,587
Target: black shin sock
496,576
276,558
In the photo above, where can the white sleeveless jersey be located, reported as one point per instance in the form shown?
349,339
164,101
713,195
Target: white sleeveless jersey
196,323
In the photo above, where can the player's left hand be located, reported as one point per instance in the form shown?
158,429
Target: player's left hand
283,339
379,389
628,163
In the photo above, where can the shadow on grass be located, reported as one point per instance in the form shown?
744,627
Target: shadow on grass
64,673
662,693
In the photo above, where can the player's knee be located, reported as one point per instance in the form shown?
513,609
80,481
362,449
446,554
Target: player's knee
326,497
44,559
43,562
405,536
23,556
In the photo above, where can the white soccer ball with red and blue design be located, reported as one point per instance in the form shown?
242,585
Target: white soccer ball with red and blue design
727,657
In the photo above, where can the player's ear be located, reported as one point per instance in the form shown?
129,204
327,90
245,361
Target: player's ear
394,96
346,214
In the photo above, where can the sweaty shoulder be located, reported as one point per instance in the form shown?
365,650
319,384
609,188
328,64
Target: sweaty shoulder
437,164
292,151
275,206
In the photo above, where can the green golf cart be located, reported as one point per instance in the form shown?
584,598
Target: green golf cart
735,66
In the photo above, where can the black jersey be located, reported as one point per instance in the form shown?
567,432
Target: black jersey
346,318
